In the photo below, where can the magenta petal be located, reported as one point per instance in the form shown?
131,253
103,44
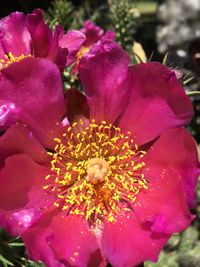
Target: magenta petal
14,36
156,96
40,34
56,53
93,33
72,40
73,242
33,95
127,243
77,106
109,35
44,42
103,73
19,139
171,171
22,199
35,239
2,52
163,205
8,114
177,149
63,241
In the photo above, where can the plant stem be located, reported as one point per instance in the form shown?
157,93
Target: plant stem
191,93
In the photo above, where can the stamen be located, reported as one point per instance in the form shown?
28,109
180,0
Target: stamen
10,59
97,172
84,50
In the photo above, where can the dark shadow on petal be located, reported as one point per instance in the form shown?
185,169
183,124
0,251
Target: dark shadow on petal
95,259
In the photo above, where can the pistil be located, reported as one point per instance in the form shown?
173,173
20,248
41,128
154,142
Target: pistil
97,170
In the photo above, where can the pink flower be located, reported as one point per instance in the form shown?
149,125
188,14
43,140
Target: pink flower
120,178
23,36
79,42
94,33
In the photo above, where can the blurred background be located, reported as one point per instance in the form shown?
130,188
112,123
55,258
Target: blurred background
167,31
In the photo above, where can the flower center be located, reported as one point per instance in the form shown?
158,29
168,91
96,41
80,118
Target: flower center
96,172
10,59
83,50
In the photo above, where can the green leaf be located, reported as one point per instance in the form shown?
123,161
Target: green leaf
5,262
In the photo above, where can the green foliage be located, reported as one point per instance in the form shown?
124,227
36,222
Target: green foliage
63,12
124,17
60,12
70,80
12,252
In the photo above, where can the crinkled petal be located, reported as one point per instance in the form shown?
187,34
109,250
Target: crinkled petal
109,35
14,36
126,243
41,36
23,200
2,54
73,242
171,171
19,139
37,245
58,54
33,95
92,32
103,72
163,204
156,96
44,42
177,149
77,106
63,239
72,40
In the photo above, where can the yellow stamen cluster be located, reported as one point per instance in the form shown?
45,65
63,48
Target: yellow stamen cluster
83,50
96,172
10,58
